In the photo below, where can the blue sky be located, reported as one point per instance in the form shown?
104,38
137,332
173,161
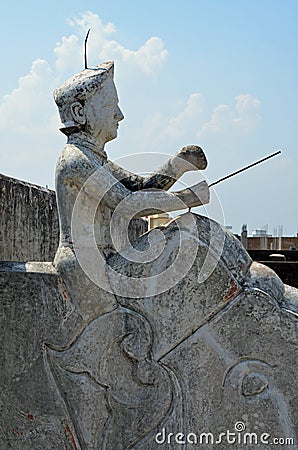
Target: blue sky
220,74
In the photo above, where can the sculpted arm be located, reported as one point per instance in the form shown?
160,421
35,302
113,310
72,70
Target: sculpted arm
104,187
188,158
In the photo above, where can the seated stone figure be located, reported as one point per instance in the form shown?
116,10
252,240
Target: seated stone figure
89,111
141,309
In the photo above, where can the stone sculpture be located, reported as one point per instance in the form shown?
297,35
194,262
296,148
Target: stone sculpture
176,340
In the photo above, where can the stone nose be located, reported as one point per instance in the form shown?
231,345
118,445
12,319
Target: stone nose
118,114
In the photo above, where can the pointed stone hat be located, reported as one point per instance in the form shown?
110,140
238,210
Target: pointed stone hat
79,88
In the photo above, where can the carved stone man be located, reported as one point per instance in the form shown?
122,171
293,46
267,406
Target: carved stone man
141,361
206,352
118,339
89,111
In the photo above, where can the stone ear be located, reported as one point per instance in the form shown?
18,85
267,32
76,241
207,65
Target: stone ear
78,113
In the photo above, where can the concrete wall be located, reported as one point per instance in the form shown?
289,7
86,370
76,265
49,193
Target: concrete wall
29,227
264,255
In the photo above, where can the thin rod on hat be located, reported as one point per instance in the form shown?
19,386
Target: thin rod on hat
85,47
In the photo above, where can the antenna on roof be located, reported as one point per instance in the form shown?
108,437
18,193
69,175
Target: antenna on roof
85,47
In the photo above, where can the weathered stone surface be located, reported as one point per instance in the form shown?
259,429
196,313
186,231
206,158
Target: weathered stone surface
29,227
32,312
197,359
240,370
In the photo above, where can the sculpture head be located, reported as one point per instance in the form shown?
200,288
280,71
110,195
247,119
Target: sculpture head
88,102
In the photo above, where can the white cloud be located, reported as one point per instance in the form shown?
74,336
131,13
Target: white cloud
30,106
149,57
91,20
247,108
189,118
29,111
194,119
29,119
68,54
242,119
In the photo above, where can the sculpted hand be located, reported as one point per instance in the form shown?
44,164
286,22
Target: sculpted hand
191,155
188,158
196,195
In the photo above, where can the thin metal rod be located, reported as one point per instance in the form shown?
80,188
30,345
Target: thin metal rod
85,47
245,168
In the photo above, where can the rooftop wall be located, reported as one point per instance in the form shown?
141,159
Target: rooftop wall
29,226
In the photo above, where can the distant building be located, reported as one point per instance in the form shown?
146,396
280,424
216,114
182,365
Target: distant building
261,240
157,220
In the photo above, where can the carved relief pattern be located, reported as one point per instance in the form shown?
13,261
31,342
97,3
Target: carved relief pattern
112,359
